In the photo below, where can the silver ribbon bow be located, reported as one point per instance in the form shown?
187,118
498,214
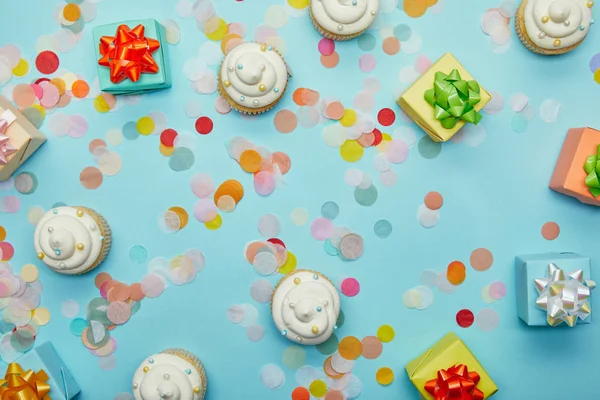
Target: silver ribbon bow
564,296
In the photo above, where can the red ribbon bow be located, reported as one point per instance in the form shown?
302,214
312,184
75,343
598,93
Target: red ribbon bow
128,54
455,383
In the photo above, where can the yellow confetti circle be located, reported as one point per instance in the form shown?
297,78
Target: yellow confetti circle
597,75
298,4
101,105
29,273
165,150
318,388
220,32
215,223
385,333
22,68
384,376
386,137
289,265
349,117
41,316
145,126
351,151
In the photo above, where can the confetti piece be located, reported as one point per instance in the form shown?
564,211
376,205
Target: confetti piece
70,308
481,259
350,348
47,62
350,287
250,161
550,230
456,273
371,347
382,228
384,376
465,318
204,125
385,333
29,273
434,200
285,121
487,319
321,228
497,290
255,333
300,393
318,388
294,357
272,377
330,61
269,226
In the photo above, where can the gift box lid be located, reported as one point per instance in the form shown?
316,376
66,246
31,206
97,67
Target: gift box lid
447,352
147,82
414,104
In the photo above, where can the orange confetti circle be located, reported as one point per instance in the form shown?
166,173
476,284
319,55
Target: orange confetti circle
335,110
456,272
297,96
232,188
2,233
434,200
80,89
331,60
301,393
285,121
91,178
101,279
250,161
550,230
481,259
71,12
391,45
182,214
350,348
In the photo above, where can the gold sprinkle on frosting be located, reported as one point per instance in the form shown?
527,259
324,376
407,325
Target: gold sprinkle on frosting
557,43
545,19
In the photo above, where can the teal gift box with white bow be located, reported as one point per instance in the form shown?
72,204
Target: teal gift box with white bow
554,289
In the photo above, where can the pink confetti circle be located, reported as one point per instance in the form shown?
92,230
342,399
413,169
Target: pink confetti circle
79,126
396,151
350,287
264,183
152,285
326,46
497,290
205,210
321,228
367,63
118,312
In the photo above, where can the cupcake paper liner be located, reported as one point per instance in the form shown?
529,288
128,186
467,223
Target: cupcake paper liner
195,361
105,230
330,35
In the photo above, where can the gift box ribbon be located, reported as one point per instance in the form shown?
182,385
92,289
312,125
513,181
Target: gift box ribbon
453,99
128,54
6,149
24,385
455,383
563,296
592,168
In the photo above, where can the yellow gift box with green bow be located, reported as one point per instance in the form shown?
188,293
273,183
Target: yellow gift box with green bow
444,99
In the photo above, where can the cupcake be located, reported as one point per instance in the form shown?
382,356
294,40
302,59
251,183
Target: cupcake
72,240
552,27
305,307
174,374
342,19
253,78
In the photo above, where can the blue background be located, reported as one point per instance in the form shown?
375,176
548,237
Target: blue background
495,196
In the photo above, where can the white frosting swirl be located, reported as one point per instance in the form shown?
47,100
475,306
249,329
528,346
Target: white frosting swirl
254,75
167,377
556,24
305,307
68,240
344,17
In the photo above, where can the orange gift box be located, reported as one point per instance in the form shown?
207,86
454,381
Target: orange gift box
569,175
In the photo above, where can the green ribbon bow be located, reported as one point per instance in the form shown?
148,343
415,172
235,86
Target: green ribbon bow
592,167
453,99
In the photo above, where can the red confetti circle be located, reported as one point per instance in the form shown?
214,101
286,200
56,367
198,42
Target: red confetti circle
378,137
7,250
167,137
47,62
276,241
204,125
386,117
42,80
465,318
